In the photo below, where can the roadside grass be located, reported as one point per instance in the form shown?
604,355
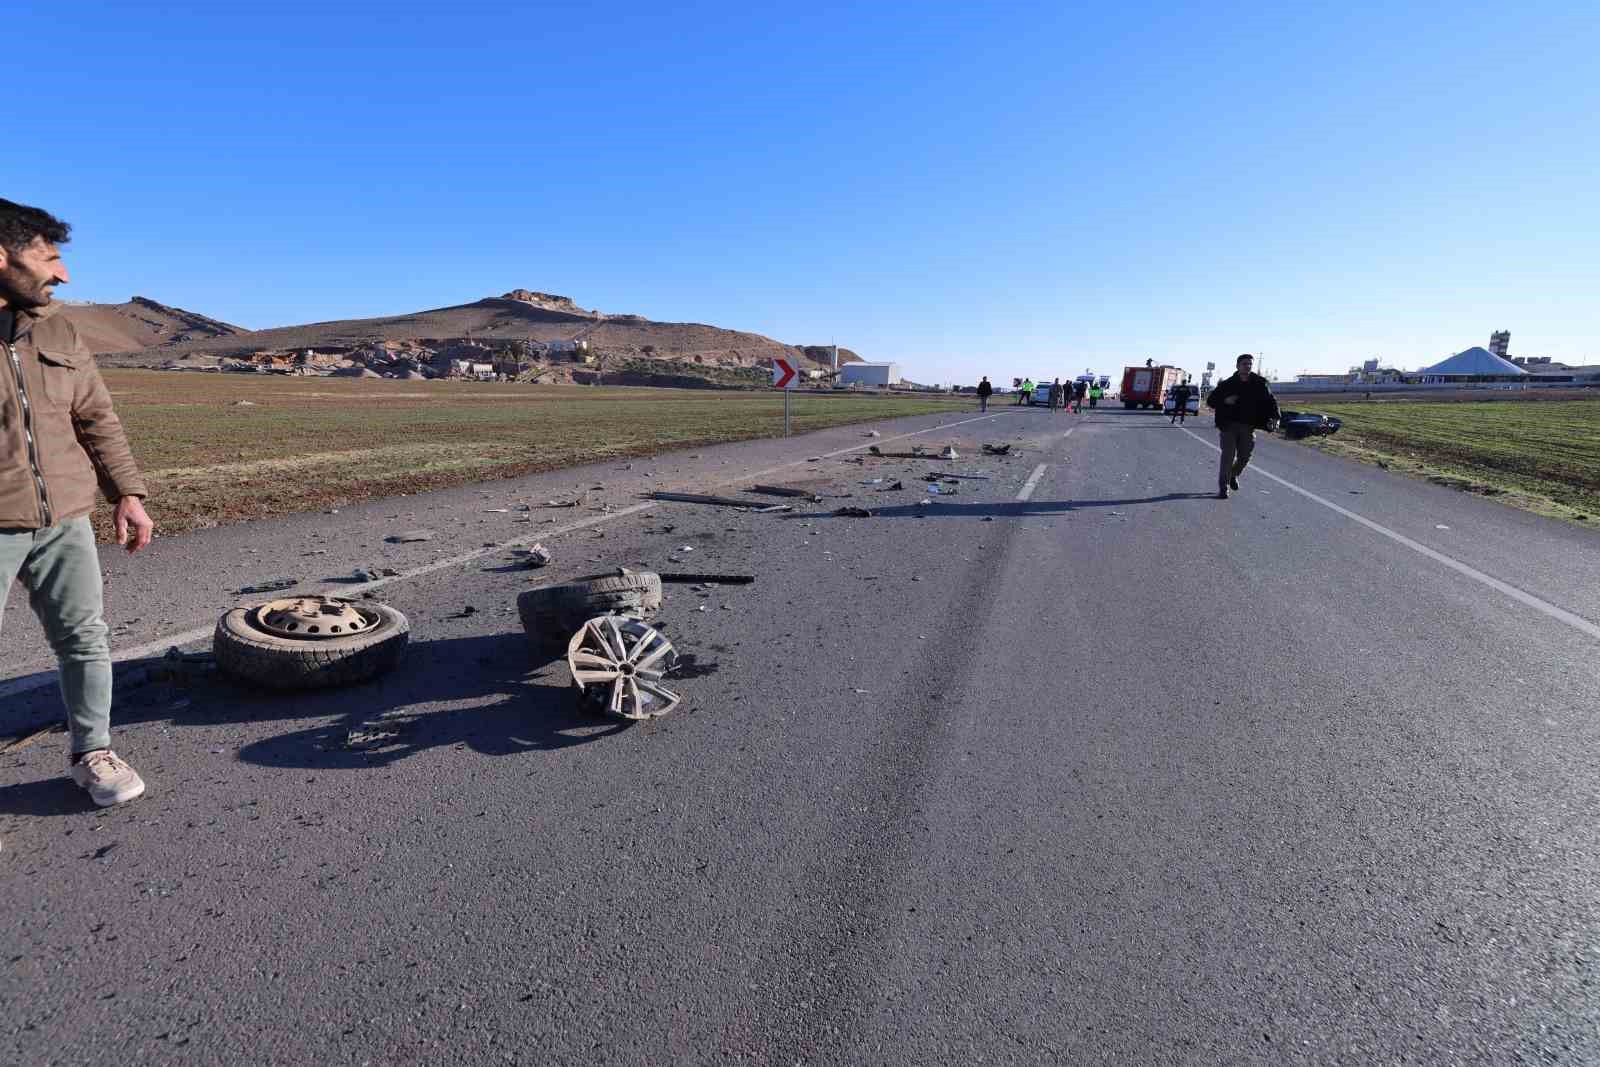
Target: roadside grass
1540,455
222,448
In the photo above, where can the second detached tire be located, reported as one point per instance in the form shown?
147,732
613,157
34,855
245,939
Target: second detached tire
551,613
246,651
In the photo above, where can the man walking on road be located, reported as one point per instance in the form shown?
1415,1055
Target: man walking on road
58,439
985,391
1180,400
1025,393
1243,404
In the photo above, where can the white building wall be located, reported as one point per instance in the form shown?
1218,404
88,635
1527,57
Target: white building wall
879,374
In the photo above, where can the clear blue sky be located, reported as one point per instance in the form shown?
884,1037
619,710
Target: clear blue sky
1001,189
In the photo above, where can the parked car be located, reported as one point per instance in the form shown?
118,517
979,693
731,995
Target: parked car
1192,407
1295,424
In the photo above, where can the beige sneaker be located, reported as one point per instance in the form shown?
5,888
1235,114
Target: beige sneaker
108,779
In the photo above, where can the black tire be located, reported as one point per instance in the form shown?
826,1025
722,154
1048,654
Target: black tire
254,656
551,613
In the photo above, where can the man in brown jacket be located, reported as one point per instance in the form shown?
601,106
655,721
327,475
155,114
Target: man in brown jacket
59,440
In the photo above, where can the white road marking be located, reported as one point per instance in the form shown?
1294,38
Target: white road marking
1038,472
1032,483
34,680
1577,622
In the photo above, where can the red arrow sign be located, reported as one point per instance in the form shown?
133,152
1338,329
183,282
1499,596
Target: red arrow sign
782,374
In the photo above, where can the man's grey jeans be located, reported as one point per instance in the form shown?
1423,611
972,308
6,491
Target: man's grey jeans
60,568
1238,441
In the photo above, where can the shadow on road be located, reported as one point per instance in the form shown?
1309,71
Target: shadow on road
944,508
510,703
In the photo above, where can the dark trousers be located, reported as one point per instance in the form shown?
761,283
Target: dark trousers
1238,441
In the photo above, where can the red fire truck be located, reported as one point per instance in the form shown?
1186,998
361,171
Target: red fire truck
1146,387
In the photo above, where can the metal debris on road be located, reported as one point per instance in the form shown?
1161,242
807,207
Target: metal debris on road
949,453
853,512
268,587
535,556
618,664
783,490
410,536
997,450
720,501
709,579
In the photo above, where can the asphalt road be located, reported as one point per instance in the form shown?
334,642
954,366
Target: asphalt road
1116,773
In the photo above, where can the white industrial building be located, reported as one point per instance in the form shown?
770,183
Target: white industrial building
873,374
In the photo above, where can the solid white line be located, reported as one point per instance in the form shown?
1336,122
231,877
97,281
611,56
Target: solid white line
1033,481
36,680
1577,622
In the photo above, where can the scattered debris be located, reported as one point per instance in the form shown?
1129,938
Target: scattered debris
850,511
893,487
875,450
685,548
949,453
709,579
267,587
465,612
373,734
410,536
495,511
617,665
997,450
934,489
720,501
873,433
563,503
535,556
783,490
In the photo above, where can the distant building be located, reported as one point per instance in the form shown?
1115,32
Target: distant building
1473,365
1500,343
873,374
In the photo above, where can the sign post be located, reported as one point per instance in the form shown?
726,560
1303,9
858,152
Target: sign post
783,378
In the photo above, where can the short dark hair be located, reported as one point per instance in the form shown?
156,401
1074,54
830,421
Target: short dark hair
1244,355
21,224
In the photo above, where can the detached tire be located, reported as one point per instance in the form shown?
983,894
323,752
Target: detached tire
552,613
250,654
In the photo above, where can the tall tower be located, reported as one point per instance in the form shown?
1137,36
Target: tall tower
1500,342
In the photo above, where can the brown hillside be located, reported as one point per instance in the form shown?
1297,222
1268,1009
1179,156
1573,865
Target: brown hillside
141,323
520,315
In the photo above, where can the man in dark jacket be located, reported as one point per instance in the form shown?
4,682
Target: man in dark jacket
985,391
1180,400
60,441
1243,404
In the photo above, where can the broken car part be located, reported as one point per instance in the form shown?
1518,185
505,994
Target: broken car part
712,579
720,501
309,642
618,663
783,490
551,612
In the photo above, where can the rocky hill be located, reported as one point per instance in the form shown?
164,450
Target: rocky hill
141,323
522,322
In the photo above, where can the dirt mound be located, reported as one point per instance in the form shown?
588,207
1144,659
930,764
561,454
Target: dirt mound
141,323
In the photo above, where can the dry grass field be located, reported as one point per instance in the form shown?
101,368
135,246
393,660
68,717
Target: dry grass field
221,448
1536,453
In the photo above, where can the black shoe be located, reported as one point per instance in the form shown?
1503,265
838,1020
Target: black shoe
1233,483
1222,494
